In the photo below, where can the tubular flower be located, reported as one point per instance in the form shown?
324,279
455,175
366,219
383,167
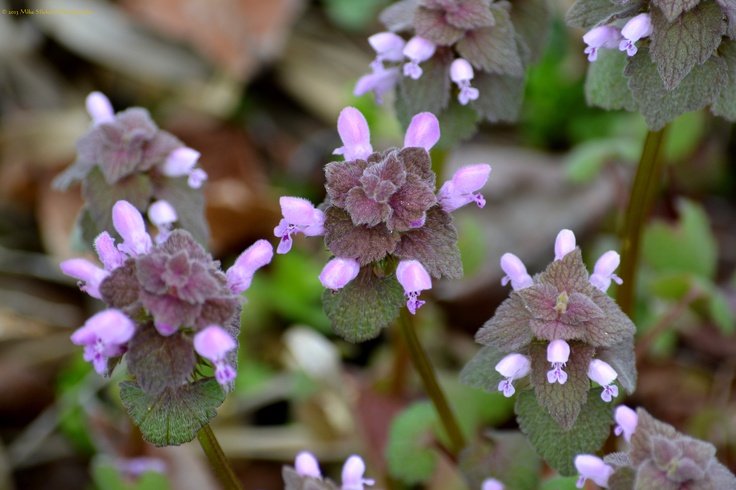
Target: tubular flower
461,189
104,335
592,468
355,135
338,272
388,47
163,216
90,276
512,367
240,275
603,271
417,50
603,374
607,37
515,272
626,421
462,73
352,474
100,108
213,343
414,278
129,223
558,353
181,162
300,216
564,244
636,28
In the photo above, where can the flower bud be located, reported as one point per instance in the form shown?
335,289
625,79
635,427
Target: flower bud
414,278
417,50
240,275
90,275
603,271
593,468
213,343
355,135
129,223
338,272
306,464
99,107
626,420
423,131
564,244
515,272
461,73
388,46
352,474
111,257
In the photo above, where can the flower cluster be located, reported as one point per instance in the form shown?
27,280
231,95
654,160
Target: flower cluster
383,204
167,300
657,457
562,330
612,37
306,474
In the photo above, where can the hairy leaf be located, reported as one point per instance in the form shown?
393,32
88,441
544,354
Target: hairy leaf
591,13
605,84
508,330
557,445
493,49
673,8
729,10
504,455
409,451
725,104
174,416
658,105
431,92
159,362
189,205
434,25
362,243
621,358
480,371
677,46
532,20
399,16
364,306
500,97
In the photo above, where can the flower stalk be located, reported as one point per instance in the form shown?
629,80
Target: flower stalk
429,379
217,459
642,196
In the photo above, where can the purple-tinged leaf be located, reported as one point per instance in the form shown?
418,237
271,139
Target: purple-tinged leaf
649,476
399,16
647,427
341,177
121,289
568,274
673,8
590,13
500,97
621,358
434,25
508,330
362,243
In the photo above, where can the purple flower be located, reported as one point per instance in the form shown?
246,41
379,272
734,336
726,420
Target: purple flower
461,189
513,366
352,474
109,255
593,468
380,81
90,276
564,243
104,335
306,464
417,50
461,73
163,216
603,271
635,29
492,484
607,37
240,275
99,107
213,343
388,46
300,216
338,272
423,131
515,272
129,223
181,162
558,353
414,279
355,135
603,374
626,421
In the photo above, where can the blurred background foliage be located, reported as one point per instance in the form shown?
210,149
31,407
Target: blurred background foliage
256,88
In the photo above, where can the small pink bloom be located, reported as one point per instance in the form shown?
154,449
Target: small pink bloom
515,272
163,216
602,373
417,50
558,353
414,278
352,474
104,335
492,484
111,257
593,468
355,135
99,107
603,271
564,244
181,162
636,28
213,343
462,73
338,272
306,464
300,216
129,223
380,81
626,420
423,131
461,190
513,366
90,276
606,37
388,46
240,275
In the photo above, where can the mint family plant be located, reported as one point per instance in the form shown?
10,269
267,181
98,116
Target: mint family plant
559,344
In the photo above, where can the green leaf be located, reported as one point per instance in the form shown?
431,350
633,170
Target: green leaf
725,104
364,306
159,362
560,483
605,84
687,247
557,445
459,122
409,451
591,13
679,44
532,20
562,401
431,92
685,136
729,10
173,416
658,105
189,205
586,160
721,312
508,330
500,96
504,455
493,49
480,371
100,197
673,8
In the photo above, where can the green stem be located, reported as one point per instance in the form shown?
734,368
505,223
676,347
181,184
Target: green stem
429,379
217,459
643,193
